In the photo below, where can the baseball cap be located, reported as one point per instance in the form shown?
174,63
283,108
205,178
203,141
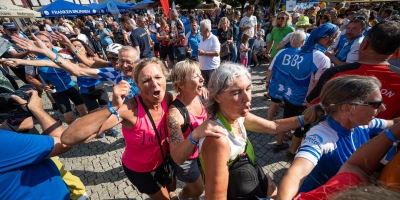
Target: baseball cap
9,25
69,36
296,15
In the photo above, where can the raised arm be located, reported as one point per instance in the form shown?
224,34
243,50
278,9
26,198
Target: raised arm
91,125
257,124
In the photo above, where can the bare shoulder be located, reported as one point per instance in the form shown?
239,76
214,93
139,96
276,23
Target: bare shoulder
169,98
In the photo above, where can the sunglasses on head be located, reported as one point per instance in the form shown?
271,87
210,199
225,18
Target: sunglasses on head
374,104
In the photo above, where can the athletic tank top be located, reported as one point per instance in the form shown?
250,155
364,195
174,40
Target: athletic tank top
195,121
142,152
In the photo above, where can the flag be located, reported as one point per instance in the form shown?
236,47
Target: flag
165,6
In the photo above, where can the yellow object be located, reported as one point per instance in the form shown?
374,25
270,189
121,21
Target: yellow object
74,184
284,8
322,5
315,13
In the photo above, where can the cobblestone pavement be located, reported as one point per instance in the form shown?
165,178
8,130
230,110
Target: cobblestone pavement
98,162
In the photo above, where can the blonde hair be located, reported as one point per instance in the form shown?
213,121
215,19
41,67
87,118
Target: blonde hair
181,71
223,20
297,38
144,63
288,18
349,89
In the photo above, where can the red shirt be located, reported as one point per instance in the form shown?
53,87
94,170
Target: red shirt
389,78
338,183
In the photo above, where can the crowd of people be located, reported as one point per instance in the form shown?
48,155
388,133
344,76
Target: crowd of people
334,71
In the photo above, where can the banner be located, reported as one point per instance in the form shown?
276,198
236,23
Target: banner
290,5
165,6
113,9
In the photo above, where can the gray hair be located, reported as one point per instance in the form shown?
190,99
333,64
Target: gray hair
206,23
141,18
363,13
128,48
151,16
174,12
297,37
221,79
99,23
349,89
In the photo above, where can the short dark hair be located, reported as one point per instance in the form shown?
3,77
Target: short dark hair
388,11
384,37
193,20
125,19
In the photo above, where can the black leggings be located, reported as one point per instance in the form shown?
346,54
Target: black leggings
292,110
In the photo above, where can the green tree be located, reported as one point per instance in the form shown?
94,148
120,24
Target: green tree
187,4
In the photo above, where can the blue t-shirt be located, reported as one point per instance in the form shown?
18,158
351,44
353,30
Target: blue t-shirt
105,39
185,20
60,78
328,145
349,51
25,173
85,83
305,68
280,66
193,42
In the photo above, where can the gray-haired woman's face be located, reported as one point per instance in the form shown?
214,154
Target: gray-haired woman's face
235,101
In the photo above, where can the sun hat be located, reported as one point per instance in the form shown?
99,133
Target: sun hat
303,21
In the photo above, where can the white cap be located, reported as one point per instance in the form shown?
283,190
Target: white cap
296,15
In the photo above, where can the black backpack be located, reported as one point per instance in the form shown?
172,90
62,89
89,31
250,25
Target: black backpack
247,181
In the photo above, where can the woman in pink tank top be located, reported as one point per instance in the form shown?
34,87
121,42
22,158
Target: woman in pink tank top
142,159
184,115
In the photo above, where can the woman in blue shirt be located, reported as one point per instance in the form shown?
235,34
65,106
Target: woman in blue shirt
104,34
235,19
345,120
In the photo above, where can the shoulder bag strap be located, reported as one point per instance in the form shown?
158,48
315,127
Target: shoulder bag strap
154,125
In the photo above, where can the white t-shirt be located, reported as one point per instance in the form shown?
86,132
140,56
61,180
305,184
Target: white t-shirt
248,21
208,45
258,43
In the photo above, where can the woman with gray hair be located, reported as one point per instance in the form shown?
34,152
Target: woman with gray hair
345,120
229,106
104,34
208,52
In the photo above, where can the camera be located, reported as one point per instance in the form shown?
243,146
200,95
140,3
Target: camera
10,108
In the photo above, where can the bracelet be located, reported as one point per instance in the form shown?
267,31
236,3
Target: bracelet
301,122
191,139
112,110
52,127
56,59
392,150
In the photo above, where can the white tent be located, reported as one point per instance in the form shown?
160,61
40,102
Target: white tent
10,11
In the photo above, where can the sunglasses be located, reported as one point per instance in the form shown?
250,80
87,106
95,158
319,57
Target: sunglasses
280,18
115,58
374,104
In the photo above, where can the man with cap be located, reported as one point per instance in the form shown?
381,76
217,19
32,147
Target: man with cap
14,51
348,53
295,19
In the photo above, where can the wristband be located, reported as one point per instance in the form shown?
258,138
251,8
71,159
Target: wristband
392,150
112,110
56,59
191,139
52,127
301,122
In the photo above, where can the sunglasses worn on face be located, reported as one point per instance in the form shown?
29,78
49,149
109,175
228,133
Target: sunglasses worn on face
280,18
113,58
374,104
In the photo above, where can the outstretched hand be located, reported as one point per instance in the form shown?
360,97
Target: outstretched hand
60,38
35,46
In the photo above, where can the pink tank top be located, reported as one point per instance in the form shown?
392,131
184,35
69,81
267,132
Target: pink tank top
142,152
195,121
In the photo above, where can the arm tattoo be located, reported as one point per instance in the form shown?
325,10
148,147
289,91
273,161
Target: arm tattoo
175,134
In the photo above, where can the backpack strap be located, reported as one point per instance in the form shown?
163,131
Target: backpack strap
185,113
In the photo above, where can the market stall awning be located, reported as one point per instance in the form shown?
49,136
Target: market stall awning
121,7
142,5
11,11
65,8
